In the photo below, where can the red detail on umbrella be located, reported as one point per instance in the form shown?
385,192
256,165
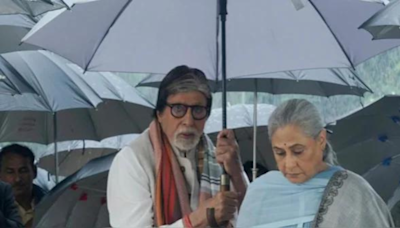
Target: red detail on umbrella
84,197
103,200
74,187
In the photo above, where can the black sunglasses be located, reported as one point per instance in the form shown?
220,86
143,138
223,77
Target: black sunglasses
179,110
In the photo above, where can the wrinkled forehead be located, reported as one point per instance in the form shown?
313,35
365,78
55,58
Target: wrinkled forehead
188,98
290,135
14,161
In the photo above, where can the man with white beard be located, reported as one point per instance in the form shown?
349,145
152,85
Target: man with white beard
170,175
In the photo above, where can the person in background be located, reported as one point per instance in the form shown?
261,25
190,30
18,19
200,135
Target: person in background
310,189
170,174
17,168
9,216
248,169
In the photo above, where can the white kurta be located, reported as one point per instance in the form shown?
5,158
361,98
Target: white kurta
131,184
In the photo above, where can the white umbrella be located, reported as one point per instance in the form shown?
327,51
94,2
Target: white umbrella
151,37
12,29
29,7
384,24
71,105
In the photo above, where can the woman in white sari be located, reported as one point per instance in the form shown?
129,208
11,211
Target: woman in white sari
309,190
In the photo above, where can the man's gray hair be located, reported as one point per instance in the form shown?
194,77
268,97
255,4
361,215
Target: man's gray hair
304,114
189,85
182,79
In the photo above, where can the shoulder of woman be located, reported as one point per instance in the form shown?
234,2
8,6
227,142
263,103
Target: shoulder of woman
355,181
355,178
269,177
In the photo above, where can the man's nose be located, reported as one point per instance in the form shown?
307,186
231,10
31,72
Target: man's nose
188,118
17,178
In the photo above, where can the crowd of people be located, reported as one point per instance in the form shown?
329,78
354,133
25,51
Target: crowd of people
170,175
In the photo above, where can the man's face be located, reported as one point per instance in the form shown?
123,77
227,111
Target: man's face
185,132
17,171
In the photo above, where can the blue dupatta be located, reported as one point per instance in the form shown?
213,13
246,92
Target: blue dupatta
273,201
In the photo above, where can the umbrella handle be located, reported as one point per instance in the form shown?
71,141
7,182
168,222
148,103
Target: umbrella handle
225,182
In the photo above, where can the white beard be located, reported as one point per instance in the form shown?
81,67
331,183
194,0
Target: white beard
186,144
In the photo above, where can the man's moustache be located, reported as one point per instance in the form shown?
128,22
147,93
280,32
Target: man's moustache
18,185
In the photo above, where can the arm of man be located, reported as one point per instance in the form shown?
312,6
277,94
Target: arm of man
10,216
228,155
240,182
130,202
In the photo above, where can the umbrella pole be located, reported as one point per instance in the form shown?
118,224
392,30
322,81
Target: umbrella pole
55,145
225,180
255,132
223,12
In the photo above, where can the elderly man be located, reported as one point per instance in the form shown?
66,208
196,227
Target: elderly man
9,216
170,175
17,168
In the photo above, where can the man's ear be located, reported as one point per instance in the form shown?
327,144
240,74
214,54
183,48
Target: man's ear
35,170
158,116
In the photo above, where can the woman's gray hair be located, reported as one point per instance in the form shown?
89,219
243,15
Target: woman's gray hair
305,115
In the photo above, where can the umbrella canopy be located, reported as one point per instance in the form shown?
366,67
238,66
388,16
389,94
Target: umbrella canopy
73,155
93,106
44,179
395,198
385,177
149,32
311,38
12,29
240,119
367,143
385,23
50,78
79,200
319,82
29,7
68,105
385,2
72,160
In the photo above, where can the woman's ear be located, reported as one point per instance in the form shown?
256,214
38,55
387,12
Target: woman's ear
322,139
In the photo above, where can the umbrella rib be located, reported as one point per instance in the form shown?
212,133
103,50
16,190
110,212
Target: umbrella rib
377,166
279,71
65,158
140,94
56,64
26,6
334,36
92,189
118,93
105,34
69,214
93,123
42,91
10,68
127,113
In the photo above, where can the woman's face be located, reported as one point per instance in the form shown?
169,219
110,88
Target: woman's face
299,157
